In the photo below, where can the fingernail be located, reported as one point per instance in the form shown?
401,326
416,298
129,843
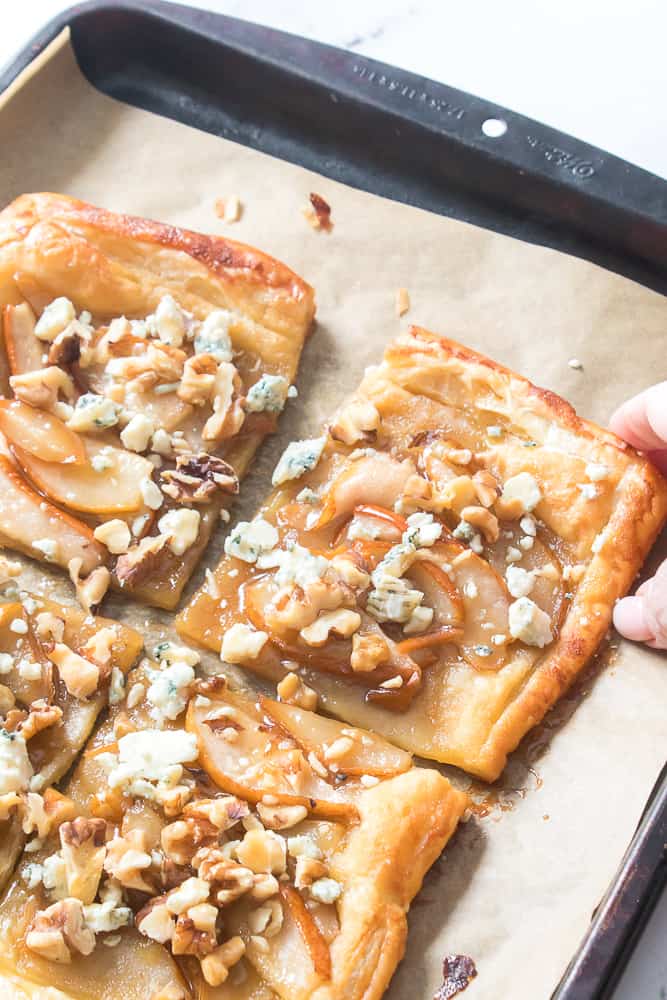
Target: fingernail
630,619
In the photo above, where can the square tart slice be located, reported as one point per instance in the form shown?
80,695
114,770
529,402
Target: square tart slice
222,846
443,562
143,366
58,668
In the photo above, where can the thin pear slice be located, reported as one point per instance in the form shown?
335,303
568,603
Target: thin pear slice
259,760
375,479
26,517
317,947
114,490
24,351
40,434
369,754
21,648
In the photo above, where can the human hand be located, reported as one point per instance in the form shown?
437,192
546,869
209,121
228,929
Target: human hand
642,421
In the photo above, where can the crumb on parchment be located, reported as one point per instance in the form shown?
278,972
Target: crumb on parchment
229,209
318,213
402,301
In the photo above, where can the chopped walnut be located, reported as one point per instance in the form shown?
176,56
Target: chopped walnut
184,838
228,413
197,477
81,677
262,851
198,380
307,871
189,940
159,363
43,387
9,570
49,627
229,879
369,650
266,919
291,689
402,301
486,488
280,817
342,622
228,209
7,700
127,858
9,802
358,421
265,886
222,813
60,930
141,560
83,851
89,592
65,350
155,921
483,520
41,715
215,967
318,213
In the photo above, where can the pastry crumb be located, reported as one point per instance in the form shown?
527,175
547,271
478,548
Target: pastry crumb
229,209
318,213
402,301
576,364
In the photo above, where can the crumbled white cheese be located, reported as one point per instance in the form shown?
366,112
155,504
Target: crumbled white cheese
30,670
422,530
213,336
241,643
529,623
392,599
55,318
169,691
151,493
161,443
295,565
106,917
116,686
137,434
268,394
494,431
520,582
93,413
306,495
596,471
528,525
524,488
18,626
326,890
102,461
48,547
513,555
153,755
588,490
575,363
299,457
182,527
114,534
420,619
15,767
172,652
527,543
251,539
303,846
169,322
6,663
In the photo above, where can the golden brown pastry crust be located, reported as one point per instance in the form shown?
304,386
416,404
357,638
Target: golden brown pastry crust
112,265
426,383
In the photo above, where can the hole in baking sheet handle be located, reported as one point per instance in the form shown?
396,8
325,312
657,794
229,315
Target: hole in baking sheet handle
494,128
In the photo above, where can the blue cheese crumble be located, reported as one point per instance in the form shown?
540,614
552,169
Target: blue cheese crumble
251,539
299,457
267,395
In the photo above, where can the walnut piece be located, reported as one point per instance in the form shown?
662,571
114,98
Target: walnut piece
184,838
42,388
141,560
215,967
229,880
89,592
81,677
197,478
41,716
198,380
359,421
369,650
83,850
60,930
127,858
318,213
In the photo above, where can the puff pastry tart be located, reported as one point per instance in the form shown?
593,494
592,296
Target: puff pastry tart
220,846
442,562
58,668
143,366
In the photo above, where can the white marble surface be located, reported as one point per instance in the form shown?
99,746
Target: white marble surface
593,68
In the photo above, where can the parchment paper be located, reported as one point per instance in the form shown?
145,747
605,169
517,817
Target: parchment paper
516,888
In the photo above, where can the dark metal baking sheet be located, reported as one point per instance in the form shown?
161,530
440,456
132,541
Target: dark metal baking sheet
396,134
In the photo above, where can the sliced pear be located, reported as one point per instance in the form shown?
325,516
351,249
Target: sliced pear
24,647
317,947
369,754
24,350
26,517
114,490
261,759
548,590
376,479
40,434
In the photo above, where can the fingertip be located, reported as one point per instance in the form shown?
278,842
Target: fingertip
630,619
642,420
